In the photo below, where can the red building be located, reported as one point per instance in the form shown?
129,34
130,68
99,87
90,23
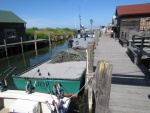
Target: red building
133,18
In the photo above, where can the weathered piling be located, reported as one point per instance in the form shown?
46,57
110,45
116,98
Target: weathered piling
35,38
101,84
49,40
90,60
5,47
21,44
89,73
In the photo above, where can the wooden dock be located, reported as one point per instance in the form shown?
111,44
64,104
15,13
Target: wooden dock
24,43
130,87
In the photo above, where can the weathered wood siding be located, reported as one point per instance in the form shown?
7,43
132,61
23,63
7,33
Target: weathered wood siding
132,23
19,28
129,25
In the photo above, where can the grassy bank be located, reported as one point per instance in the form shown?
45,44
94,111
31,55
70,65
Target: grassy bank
56,34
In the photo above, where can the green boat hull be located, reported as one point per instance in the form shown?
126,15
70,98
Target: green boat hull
69,87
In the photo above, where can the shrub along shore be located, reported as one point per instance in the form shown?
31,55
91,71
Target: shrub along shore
56,34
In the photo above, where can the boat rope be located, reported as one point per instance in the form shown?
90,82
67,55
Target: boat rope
79,90
7,69
10,72
67,70
64,89
3,82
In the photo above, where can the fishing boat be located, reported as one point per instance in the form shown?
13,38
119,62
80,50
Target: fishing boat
81,40
15,101
65,70
82,37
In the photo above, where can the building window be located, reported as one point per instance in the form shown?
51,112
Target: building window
145,24
10,33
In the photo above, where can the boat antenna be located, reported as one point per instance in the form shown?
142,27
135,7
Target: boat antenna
80,20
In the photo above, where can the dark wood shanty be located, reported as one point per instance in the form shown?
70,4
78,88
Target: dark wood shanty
132,18
12,27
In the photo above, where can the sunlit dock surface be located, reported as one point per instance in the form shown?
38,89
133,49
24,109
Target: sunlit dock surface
130,89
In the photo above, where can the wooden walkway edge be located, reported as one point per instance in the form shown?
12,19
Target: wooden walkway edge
130,87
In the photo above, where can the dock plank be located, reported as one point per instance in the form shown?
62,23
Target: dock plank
130,89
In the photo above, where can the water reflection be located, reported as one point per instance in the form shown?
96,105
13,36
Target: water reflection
29,59
24,60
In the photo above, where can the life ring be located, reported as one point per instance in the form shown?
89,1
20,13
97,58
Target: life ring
77,42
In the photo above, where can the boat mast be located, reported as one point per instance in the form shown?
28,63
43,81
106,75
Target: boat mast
80,19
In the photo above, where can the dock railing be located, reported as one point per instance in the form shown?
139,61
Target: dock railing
142,44
139,46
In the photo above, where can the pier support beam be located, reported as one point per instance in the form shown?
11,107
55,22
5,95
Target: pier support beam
21,44
35,38
5,47
90,60
101,84
49,40
89,74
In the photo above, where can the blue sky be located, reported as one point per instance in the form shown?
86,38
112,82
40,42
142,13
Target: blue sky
65,13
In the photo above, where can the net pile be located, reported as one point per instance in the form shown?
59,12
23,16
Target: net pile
66,56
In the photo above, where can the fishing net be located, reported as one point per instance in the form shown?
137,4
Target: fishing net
68,55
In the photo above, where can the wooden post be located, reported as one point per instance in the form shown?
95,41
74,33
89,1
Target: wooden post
5,47
90,59
142,44
125,34
101,84
49,40
133,39
114,36
35,38
24,60
8,61
21,44
90,95
89,73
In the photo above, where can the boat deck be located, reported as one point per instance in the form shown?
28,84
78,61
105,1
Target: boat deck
4,110
10,96
130,89
66,70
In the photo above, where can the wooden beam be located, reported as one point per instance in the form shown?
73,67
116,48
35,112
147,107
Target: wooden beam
101,84
5,44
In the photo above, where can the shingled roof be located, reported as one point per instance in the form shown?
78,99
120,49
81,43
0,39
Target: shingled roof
9,17
133,9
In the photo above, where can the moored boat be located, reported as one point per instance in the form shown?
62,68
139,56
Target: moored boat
81,39
66,68
15,101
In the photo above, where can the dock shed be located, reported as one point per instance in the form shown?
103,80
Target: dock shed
132,18
12,27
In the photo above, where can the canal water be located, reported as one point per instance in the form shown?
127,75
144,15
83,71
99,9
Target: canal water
28,59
